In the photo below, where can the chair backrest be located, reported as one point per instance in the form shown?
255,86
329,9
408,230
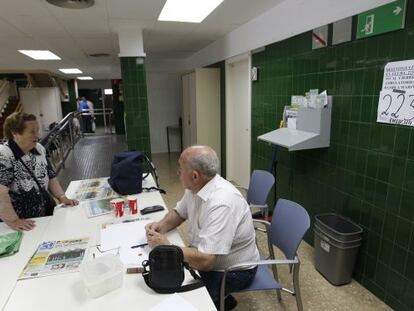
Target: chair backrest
259,187
290,221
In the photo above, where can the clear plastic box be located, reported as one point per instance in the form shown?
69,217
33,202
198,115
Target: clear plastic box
102,275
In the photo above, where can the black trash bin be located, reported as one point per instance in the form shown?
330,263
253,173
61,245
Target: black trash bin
337,241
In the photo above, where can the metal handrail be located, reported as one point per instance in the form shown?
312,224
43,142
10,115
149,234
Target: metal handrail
61,139
100,112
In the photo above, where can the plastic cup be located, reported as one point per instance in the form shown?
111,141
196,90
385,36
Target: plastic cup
118,206
132,204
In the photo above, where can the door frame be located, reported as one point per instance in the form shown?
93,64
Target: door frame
230,104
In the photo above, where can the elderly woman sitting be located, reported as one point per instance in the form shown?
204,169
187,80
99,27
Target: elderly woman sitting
25,174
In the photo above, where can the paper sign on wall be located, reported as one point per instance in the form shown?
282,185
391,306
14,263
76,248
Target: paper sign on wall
396,102
396,107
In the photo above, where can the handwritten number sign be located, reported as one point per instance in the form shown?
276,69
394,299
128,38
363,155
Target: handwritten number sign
396,108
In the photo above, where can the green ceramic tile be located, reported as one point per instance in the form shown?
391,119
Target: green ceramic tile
402,138
395,284
393,200
133,72
368,172
406,208
409,176
377,221
409,271
385,252
381,277
384,167
403,233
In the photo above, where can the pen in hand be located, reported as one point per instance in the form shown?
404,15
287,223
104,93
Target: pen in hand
139,245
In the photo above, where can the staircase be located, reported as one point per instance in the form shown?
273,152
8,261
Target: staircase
11,106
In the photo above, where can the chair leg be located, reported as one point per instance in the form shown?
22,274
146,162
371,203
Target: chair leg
222,291
296,286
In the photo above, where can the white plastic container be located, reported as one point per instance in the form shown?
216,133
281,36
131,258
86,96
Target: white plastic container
102,275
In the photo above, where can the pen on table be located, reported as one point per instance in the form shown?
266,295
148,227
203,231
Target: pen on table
139,245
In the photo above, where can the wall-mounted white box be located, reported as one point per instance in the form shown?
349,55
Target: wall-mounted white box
313,130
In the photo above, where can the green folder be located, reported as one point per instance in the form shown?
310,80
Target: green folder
10,243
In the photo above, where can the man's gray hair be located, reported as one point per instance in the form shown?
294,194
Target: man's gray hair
205,161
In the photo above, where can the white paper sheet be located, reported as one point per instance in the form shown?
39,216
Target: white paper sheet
123,234
120,237
174,303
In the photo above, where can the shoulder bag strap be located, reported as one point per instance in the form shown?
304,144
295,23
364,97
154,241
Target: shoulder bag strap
32,174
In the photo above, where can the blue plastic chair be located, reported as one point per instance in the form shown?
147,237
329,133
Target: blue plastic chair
290,222
259,187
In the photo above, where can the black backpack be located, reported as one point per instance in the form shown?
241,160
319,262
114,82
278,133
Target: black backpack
127,172
166,270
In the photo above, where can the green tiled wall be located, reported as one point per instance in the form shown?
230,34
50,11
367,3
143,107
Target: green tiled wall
222,66
367,173
118,108
136,105
70,106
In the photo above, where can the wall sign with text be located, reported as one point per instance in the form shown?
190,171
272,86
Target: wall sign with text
396,107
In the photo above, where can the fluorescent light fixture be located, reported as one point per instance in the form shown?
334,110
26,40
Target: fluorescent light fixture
191,11
84,78
108,91
70,70
39,54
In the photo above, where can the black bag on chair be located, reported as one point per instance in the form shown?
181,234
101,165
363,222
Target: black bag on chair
166,270
127,172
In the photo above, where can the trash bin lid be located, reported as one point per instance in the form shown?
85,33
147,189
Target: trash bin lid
338,224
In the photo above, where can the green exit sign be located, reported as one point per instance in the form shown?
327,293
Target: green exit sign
383,19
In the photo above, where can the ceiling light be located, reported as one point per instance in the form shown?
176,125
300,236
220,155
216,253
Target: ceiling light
70,70
190,11
84,78
72,4
108,91
39,54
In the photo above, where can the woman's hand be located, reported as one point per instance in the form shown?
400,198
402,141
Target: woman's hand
21,224
64,200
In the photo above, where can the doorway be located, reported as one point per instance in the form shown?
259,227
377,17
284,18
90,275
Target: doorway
238,120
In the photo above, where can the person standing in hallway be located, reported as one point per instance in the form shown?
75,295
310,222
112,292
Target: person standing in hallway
21,159
221,231
86,108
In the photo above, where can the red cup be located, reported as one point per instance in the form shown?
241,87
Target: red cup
118,206
132,204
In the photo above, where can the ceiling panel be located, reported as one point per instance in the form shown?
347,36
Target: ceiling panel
134,9
37,26
35,8
73,34
8,30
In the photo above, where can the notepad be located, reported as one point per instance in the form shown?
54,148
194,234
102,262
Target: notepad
122,236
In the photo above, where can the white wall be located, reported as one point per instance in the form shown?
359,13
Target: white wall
285,20
164,107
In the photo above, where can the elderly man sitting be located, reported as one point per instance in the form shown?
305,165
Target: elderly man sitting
220,225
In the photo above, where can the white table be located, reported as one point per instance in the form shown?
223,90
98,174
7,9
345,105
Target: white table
11,266
66,291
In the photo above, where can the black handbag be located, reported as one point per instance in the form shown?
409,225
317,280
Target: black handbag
166,270
47,201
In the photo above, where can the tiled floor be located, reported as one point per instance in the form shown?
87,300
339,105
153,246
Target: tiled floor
92,158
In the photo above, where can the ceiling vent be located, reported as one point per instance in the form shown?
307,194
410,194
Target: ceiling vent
99,55
72,4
